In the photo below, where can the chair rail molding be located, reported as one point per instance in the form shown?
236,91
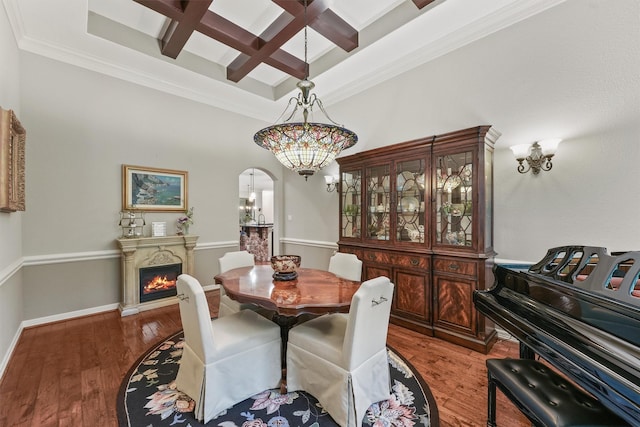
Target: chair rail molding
310,243
11,269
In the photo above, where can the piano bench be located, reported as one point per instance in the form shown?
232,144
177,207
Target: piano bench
545,397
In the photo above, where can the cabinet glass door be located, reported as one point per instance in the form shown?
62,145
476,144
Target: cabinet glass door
351,223
378,202
410,204
453,199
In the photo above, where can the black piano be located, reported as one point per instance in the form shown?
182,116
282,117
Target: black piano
578,309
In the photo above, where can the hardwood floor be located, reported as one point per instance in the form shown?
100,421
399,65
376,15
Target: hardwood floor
68,373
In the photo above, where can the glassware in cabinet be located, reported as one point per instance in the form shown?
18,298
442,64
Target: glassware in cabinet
410,182
454,199
378,202
350,191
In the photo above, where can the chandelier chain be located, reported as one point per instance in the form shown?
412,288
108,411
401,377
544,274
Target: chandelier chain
306,64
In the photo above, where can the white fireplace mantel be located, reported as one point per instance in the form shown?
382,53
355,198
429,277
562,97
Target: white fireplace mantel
151,251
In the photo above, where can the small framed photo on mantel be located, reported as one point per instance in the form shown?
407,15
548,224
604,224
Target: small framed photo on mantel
158,229
154,189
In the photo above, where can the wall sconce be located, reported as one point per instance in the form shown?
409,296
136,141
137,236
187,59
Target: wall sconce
538,155
332,182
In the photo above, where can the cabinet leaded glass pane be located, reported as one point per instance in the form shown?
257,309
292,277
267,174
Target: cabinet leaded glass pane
453,201
410,203
378,201
350,190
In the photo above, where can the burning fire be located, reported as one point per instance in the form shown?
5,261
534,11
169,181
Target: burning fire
159,283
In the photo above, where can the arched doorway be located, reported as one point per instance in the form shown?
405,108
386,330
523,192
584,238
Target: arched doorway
256,213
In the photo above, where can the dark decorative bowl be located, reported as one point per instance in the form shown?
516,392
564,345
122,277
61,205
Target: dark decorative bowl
285,266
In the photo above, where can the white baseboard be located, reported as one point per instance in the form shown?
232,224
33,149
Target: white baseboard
150,305
504,335
7,355
210,287
311,243
68,315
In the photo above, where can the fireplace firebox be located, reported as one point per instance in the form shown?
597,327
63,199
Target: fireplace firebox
159,281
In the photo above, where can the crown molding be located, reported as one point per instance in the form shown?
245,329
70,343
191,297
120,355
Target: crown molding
403,61
345,79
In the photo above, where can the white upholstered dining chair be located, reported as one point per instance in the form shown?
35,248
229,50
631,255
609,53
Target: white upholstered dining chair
225,360
229,261
342,360
348,266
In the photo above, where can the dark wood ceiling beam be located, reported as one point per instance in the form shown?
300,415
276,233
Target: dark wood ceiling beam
336,30
221,29
225,31
172,9
190,16
422,3
277,34
218,28
328,24
179,31
287,63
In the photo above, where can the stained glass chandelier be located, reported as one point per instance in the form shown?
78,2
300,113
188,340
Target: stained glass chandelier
302,146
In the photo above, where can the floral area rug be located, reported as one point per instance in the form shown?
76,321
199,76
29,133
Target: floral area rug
148,398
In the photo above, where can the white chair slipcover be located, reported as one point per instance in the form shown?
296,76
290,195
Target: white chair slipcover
342,360
226,360
227,262
345,265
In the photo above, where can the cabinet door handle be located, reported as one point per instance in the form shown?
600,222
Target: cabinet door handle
414,261
454,267
372,257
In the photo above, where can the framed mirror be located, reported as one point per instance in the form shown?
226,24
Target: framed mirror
12,162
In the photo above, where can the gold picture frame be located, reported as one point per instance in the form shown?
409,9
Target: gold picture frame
154,189
12,162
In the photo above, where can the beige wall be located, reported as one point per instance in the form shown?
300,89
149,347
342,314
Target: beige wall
82,127
11,301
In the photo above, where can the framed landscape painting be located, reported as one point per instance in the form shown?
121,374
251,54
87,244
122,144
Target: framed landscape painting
153,189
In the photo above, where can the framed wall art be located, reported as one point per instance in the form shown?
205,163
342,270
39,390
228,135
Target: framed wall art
12,162
153,189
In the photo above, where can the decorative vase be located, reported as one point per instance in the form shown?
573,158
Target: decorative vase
185,229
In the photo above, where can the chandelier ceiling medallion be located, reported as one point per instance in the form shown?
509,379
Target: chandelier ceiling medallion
302,146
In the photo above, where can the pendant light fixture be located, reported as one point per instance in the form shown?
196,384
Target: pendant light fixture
252,194
302,146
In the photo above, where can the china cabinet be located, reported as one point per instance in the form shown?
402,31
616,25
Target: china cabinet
420,212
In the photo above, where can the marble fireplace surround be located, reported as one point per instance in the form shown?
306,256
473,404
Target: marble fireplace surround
151,252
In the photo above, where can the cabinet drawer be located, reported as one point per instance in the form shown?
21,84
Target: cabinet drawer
397,260
455,265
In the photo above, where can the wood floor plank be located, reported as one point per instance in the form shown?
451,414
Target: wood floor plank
94,406
68,373
47,397
457,377
70,404
28,381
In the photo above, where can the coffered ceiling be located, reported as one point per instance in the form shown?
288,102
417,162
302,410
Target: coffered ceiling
247,55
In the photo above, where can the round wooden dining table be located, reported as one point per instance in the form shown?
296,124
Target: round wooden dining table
314,292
